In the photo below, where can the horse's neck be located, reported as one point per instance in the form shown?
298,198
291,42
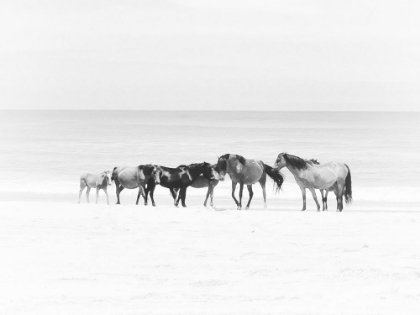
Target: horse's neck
297,173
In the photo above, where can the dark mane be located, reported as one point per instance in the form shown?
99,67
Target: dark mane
240,158
147,169
313,161
295,161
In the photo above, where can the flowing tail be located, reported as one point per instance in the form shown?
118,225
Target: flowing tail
348,193
275,175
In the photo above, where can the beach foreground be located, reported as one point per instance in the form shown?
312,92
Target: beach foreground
62,258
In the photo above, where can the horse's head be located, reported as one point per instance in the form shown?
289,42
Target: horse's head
221,166
150,171
107,178
280,161
208,172
216,174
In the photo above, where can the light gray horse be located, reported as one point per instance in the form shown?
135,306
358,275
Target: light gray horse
131,177
318,176
100,181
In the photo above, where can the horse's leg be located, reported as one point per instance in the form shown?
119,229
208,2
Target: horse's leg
207,196
97,195
211,191
233,193
262,183
303,189
119,190
251,194
340,196
106,193
241,189
326,198
315,198
82,187
177,197
138,195
152,198
323,199
184,196
87,193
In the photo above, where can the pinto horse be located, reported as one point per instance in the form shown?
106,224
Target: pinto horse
131,177
180,178
202,182
247,172
318,176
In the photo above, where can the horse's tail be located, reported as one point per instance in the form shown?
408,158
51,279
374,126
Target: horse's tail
275,175
348,192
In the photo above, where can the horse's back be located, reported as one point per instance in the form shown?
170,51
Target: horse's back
327,174
248,173
127,176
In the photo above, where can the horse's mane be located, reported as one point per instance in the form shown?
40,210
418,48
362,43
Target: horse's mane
147,169
313,161
222,160
295,161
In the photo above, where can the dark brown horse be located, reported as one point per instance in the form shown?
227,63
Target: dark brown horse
131,177
180,178
202,182
247,172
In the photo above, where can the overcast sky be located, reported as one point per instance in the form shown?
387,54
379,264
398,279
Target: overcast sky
214,55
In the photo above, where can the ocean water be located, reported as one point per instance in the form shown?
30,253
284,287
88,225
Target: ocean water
47,151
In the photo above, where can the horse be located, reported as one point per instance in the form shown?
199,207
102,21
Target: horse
247,172
131,177
201,182
324,198
180,178
99,181
318,176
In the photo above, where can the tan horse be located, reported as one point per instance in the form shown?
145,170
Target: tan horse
318,176
101,181
131,177
247,172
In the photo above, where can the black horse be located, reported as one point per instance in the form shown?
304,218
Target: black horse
180,178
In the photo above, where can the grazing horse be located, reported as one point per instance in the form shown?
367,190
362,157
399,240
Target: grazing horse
201,182
131,177
100,181
181,178
247,172
318,176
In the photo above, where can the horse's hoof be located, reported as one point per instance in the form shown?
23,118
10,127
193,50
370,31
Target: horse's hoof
184,206
246,208
153,204
303,209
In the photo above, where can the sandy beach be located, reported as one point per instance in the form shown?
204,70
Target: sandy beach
67,258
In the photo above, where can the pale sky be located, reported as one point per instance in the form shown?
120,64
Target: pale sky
213,55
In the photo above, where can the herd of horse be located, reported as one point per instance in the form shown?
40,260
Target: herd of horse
309,174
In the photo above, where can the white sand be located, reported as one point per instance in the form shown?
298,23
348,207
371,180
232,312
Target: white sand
63,258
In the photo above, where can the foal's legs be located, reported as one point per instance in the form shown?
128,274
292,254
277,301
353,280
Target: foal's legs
87,193
303,189
315,198
251,194
324,199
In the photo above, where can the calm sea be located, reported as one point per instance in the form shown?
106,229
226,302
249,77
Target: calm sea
40,149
